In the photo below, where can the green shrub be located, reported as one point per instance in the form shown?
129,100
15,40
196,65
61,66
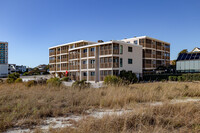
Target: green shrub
14,76
30,83
10,80
19,80
65,79
172,78
54,82
81,84
25,74
112,80
129,76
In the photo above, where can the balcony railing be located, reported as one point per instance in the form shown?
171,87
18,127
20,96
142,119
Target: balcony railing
52,61
91,65
115,51
64,51
64,68
84,77
105,65
115,65
147,65
106,52
52,53
74,56
148,55
63,59
58,52
83,55
167,49
148,45
91,54
158,56
74,67
91,78
53,69
83,66
58,60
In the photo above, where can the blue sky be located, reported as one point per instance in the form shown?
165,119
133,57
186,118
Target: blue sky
32,26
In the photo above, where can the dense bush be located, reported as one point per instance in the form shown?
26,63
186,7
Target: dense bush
128,76
19,80
25,74
54,82
14,76
65,79
81,84
112,80
172,78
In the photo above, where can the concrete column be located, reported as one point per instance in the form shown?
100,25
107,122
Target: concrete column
80,65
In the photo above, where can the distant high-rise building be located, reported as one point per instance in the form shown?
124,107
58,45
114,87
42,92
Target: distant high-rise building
3,59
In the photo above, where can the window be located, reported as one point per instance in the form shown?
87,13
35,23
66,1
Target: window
92,49
92,74
135,42
121,49
130,61
85,51
121,62
84,62
130,49
92,61
84,73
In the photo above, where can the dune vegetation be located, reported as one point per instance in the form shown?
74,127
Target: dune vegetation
23,105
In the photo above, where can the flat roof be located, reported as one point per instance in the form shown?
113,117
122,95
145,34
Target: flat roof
141,37
71,43
97,44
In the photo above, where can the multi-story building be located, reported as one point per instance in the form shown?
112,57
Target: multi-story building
92,61
155,52
3,59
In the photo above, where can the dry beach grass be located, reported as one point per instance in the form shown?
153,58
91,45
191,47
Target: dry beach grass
27,106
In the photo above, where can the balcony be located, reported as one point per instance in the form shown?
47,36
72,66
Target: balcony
147,65
53,69
105,65
83,55
64,51
58,60
52,53
158,56
58,52
64,68
91,78
148,55
167,49
52,61
63,59
74,56
116,65
83,66
148,45
102,78
106,52
84,77
116,51
73,77
91,53
91,66
74,67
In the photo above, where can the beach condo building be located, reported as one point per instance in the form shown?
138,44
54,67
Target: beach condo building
93,61
155,52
